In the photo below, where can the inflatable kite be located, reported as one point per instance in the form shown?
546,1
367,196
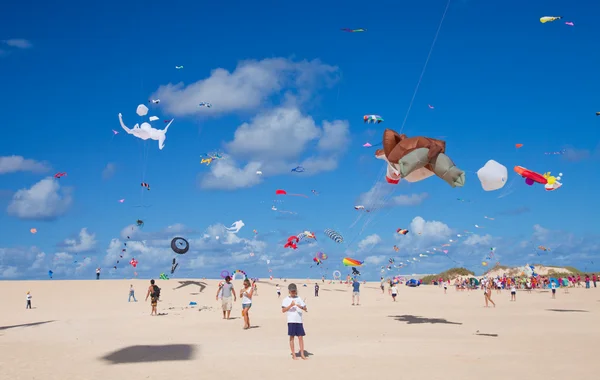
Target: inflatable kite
60,175
174,265
417,158
133,262
321,256
239,271
292,242
492,176
163,276
334,235
236,227
530,176
372,119
317,260
353,30
402,231
553,183
347,261
179,245
306,234
179,67
33,230
145,131
298,169
283,192
546,19
139,223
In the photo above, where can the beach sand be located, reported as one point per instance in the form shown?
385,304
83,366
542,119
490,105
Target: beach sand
87,330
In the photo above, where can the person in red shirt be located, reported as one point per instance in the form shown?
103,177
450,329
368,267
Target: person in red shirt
594,279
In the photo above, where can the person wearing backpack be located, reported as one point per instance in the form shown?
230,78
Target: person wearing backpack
154,294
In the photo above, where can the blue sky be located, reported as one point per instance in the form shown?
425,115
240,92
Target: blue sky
289,88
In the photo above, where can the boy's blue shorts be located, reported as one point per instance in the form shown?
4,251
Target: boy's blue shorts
296,329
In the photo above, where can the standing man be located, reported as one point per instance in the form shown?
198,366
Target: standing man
355,291
97,273
316,289
131,293
227,292
154,294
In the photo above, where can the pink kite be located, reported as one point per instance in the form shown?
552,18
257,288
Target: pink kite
283,192
115,132
430,106
121,200
569,23
367,145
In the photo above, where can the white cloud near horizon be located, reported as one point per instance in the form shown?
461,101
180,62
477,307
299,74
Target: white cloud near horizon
14,164
45,200
19,43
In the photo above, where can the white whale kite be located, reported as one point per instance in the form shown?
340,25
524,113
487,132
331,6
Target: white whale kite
145,132
236,227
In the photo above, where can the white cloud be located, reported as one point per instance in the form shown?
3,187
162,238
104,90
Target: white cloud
381,196
13,164
369,242
475,239
273,142
430,229
251,84
109,170
375,260
539,232
43,201
85,243
19,43
8,272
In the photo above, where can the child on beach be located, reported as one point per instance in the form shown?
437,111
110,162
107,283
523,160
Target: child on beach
445,287
513,292
394,292
294,306
553,287
28,297
278,291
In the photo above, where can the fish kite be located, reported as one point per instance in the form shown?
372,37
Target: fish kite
236,227
546,19
353,30
402,231
146,132
372,119
205,104
60,175
416,159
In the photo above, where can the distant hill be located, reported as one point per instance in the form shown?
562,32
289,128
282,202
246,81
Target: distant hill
501,270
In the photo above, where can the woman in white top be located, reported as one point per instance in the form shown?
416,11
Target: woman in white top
246,296
394,292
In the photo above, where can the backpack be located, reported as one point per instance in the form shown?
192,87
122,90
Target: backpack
156,292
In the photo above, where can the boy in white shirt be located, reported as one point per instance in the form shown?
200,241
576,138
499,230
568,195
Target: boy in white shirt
294,306
28,301
394,292
513,292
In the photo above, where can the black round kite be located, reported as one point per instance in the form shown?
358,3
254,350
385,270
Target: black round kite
179,245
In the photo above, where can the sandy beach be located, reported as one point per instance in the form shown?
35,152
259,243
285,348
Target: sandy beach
87,330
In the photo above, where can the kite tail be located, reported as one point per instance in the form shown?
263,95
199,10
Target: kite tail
299,195
167,127
123,124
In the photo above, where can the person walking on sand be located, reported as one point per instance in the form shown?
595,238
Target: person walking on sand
553,287
355,292
246,295
226,291
131,293
594,279
316,290
97,273
154,294
278,290
28,298
293,306
487,292
394,292
445,287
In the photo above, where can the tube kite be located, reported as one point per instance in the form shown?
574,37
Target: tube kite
530,176
417,158
546,19
347,261
334,235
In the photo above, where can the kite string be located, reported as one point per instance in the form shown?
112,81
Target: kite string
437,33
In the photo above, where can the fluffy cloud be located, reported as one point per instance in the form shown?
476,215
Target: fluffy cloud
369,242
22,262
475,239
246,88
13,164
375,260
109,170
273,142
85,243
19,43
43,201
381,196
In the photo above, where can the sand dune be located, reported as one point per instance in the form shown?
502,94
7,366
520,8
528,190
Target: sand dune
87,330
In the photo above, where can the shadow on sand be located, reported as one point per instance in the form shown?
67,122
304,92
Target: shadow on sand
568,311
25,325
482,334
182,284
306,353
412,319
145,354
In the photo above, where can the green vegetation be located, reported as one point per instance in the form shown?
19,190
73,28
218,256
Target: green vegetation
448,275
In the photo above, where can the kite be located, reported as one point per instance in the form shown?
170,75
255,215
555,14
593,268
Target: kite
430,106
121,200
402,231
597,113
298,169
292,242
306,234
145,131
146,185
518,146
314,192
283,192
348,262
553,183
336,274
153,118
546,19
334,235
115,133
236,227
321,256
179,67
317,260
396,248
541,247
569,23
353,30
50,273
530,176
142,110
359,207
367,145
179,245
60,175
133,262
487,217
33,230
492,176
154,101
139,223
206,161
478,226
174,265
555,153
163,276
205,104
355,272
258,172
417,158
372,118
239,271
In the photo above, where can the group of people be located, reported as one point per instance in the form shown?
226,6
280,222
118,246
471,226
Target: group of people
226,291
